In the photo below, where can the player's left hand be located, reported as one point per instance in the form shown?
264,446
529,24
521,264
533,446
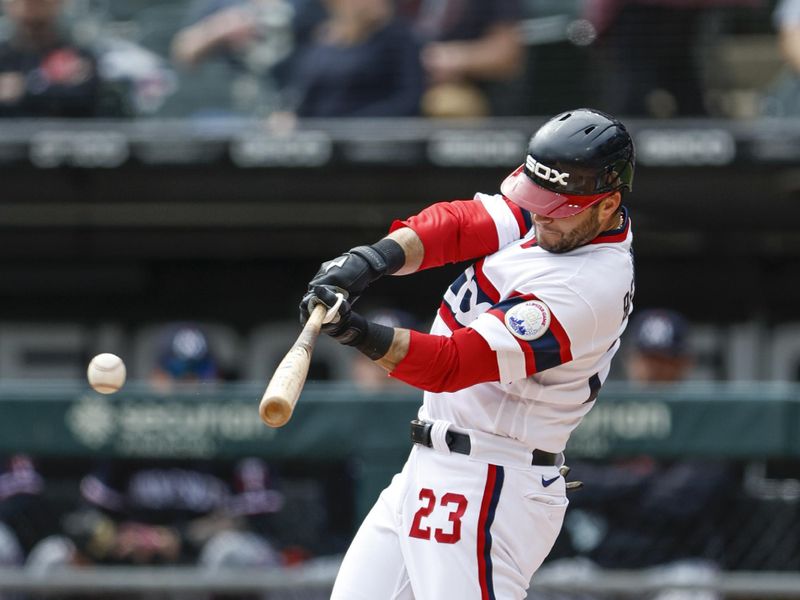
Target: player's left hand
346,326
353,271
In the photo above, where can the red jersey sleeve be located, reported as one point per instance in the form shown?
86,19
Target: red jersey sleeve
465,229
437,363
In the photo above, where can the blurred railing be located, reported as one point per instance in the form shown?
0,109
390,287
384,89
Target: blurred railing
318,579
336,420
488,142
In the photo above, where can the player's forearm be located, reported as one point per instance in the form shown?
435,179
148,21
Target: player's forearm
412,246
438,363
397,351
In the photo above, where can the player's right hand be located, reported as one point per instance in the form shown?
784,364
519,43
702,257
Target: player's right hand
346,327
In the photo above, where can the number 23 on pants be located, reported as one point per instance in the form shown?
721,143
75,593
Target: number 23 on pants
449,526
477,530
458,505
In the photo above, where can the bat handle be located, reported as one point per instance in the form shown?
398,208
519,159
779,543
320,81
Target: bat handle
308,337
283,390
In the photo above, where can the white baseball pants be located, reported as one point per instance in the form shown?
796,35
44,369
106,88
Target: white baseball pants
454,526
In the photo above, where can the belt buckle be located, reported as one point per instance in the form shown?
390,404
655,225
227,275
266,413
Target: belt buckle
421,432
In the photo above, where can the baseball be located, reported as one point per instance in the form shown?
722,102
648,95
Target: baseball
106,373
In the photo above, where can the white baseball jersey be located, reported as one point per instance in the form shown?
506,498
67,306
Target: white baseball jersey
563,312
519,349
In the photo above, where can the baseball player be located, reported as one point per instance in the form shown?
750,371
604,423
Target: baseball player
516,356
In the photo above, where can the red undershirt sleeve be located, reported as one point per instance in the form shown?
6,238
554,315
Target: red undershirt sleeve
437,363
453,232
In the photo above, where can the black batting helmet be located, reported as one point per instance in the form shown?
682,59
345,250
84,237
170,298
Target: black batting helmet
574,160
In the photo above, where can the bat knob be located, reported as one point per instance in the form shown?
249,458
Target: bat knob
275,412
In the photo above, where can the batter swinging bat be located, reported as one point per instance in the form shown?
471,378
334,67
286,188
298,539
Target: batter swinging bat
283,390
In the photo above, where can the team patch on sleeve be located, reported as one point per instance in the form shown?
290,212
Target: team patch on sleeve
525,335
528,320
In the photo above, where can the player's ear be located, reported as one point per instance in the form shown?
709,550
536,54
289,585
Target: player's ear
610,204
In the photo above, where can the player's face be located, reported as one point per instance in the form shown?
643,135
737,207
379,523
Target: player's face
568,233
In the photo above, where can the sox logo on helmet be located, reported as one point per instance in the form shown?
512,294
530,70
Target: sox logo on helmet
547,173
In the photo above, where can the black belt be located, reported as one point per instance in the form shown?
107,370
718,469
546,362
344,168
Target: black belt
459,442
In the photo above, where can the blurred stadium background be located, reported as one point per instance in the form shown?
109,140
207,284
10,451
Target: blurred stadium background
188,196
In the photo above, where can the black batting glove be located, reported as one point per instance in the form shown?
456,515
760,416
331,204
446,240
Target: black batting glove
347,326
354,270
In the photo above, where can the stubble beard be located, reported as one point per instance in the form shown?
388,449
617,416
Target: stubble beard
579,236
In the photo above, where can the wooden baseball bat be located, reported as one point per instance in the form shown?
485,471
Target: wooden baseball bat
279,399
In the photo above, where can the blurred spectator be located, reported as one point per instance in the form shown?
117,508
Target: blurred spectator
183,356
257,39
42,72
23,517
650,55
135,80
658,349
363,62
28,511
466,44
163,512
787,20
254,34
783,97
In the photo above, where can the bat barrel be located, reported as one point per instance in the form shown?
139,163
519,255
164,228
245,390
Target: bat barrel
279,399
